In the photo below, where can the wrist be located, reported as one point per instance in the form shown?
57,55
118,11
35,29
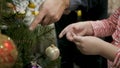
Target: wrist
90,29
108,51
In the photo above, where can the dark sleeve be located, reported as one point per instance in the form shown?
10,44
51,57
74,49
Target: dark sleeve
91,9
75,3
95,10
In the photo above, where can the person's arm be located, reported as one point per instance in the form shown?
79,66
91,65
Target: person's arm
106,27
96,46
53,12
50,12
112,53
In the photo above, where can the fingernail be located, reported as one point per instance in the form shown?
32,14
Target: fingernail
59,36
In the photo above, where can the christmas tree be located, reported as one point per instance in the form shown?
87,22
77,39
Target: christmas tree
31,45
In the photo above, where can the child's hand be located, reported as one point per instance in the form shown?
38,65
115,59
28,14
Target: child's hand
89,45
80,29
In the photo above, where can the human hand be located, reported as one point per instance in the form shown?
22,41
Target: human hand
50,12
89,45
80,29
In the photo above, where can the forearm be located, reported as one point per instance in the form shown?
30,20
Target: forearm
108,51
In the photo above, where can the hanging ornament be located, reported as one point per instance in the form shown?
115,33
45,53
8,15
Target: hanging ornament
27,10
22,12
35,13
35,64
31,5
8,52
79,14
52,52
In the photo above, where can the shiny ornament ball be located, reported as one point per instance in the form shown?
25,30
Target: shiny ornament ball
21,12
52,52
8,52
31,5
35,13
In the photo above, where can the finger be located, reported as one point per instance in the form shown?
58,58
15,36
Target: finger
53,21
78,45
50,21
46,20
81,33
69,36
37,20
77,38
63,32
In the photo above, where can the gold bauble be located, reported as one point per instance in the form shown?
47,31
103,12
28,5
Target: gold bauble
35,13
31,5
52,52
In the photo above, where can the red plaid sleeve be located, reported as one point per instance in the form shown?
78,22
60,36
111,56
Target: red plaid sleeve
106,27
116,62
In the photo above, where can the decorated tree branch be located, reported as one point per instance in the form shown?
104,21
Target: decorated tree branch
15,18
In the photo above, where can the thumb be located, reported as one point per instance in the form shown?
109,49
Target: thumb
77,38
78,41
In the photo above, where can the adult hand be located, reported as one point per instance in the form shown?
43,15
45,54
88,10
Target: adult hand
80,28
50,12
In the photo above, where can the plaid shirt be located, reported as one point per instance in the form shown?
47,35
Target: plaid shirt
107,27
